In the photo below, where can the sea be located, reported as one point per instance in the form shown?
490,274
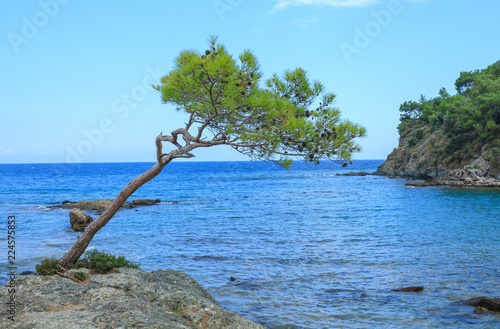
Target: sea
306,248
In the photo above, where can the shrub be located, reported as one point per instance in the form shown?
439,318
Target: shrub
102,262
455,143
80,276
418,134
411,141
47,267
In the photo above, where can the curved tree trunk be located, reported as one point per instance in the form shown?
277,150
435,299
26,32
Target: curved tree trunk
83,241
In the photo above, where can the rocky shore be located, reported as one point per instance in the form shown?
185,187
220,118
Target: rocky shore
478,173
127,298
466,177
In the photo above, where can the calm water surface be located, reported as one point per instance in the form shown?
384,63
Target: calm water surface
308,249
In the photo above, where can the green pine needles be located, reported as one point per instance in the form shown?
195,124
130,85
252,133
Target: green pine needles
287,117
284,118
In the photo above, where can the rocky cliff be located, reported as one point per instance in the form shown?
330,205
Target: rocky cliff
129,298
420,162
452,139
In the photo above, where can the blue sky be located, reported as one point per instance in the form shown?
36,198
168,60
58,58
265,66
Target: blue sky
75,75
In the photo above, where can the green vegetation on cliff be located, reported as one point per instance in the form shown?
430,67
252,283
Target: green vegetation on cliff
455,130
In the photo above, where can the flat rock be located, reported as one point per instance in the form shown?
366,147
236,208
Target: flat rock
145,202
102,205
125,299
98,205
352,173
425,184
467,182
410,289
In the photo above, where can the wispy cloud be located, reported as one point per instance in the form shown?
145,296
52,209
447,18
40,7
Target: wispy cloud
303,22
6,149
283,4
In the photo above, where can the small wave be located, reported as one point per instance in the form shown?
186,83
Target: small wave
185,201
220,258
53,245
43,208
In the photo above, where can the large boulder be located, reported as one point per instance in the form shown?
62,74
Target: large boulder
79,221
128,298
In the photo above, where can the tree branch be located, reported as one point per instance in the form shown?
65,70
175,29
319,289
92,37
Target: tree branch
159,148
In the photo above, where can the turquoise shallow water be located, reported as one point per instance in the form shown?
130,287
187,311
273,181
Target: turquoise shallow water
308,249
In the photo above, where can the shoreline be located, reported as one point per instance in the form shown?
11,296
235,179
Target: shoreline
125,298
459,178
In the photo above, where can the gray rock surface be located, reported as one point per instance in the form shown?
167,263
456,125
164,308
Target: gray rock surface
481,303
410,289
102,205
466,177
478,173
145,202
96,205
79,221
352,173
130,298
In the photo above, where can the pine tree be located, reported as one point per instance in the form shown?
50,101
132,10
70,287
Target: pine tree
289,117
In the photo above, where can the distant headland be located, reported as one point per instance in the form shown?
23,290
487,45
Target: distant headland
452,140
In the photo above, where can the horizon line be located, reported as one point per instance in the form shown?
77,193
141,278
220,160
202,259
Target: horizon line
180,161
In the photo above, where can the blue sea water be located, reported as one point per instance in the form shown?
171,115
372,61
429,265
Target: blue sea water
308,249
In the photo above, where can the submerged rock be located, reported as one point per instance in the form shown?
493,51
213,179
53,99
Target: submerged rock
145,202
98,205
491,304
352,173
425,183
129,298
410,289
27,273
481,310
79,221
102,205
